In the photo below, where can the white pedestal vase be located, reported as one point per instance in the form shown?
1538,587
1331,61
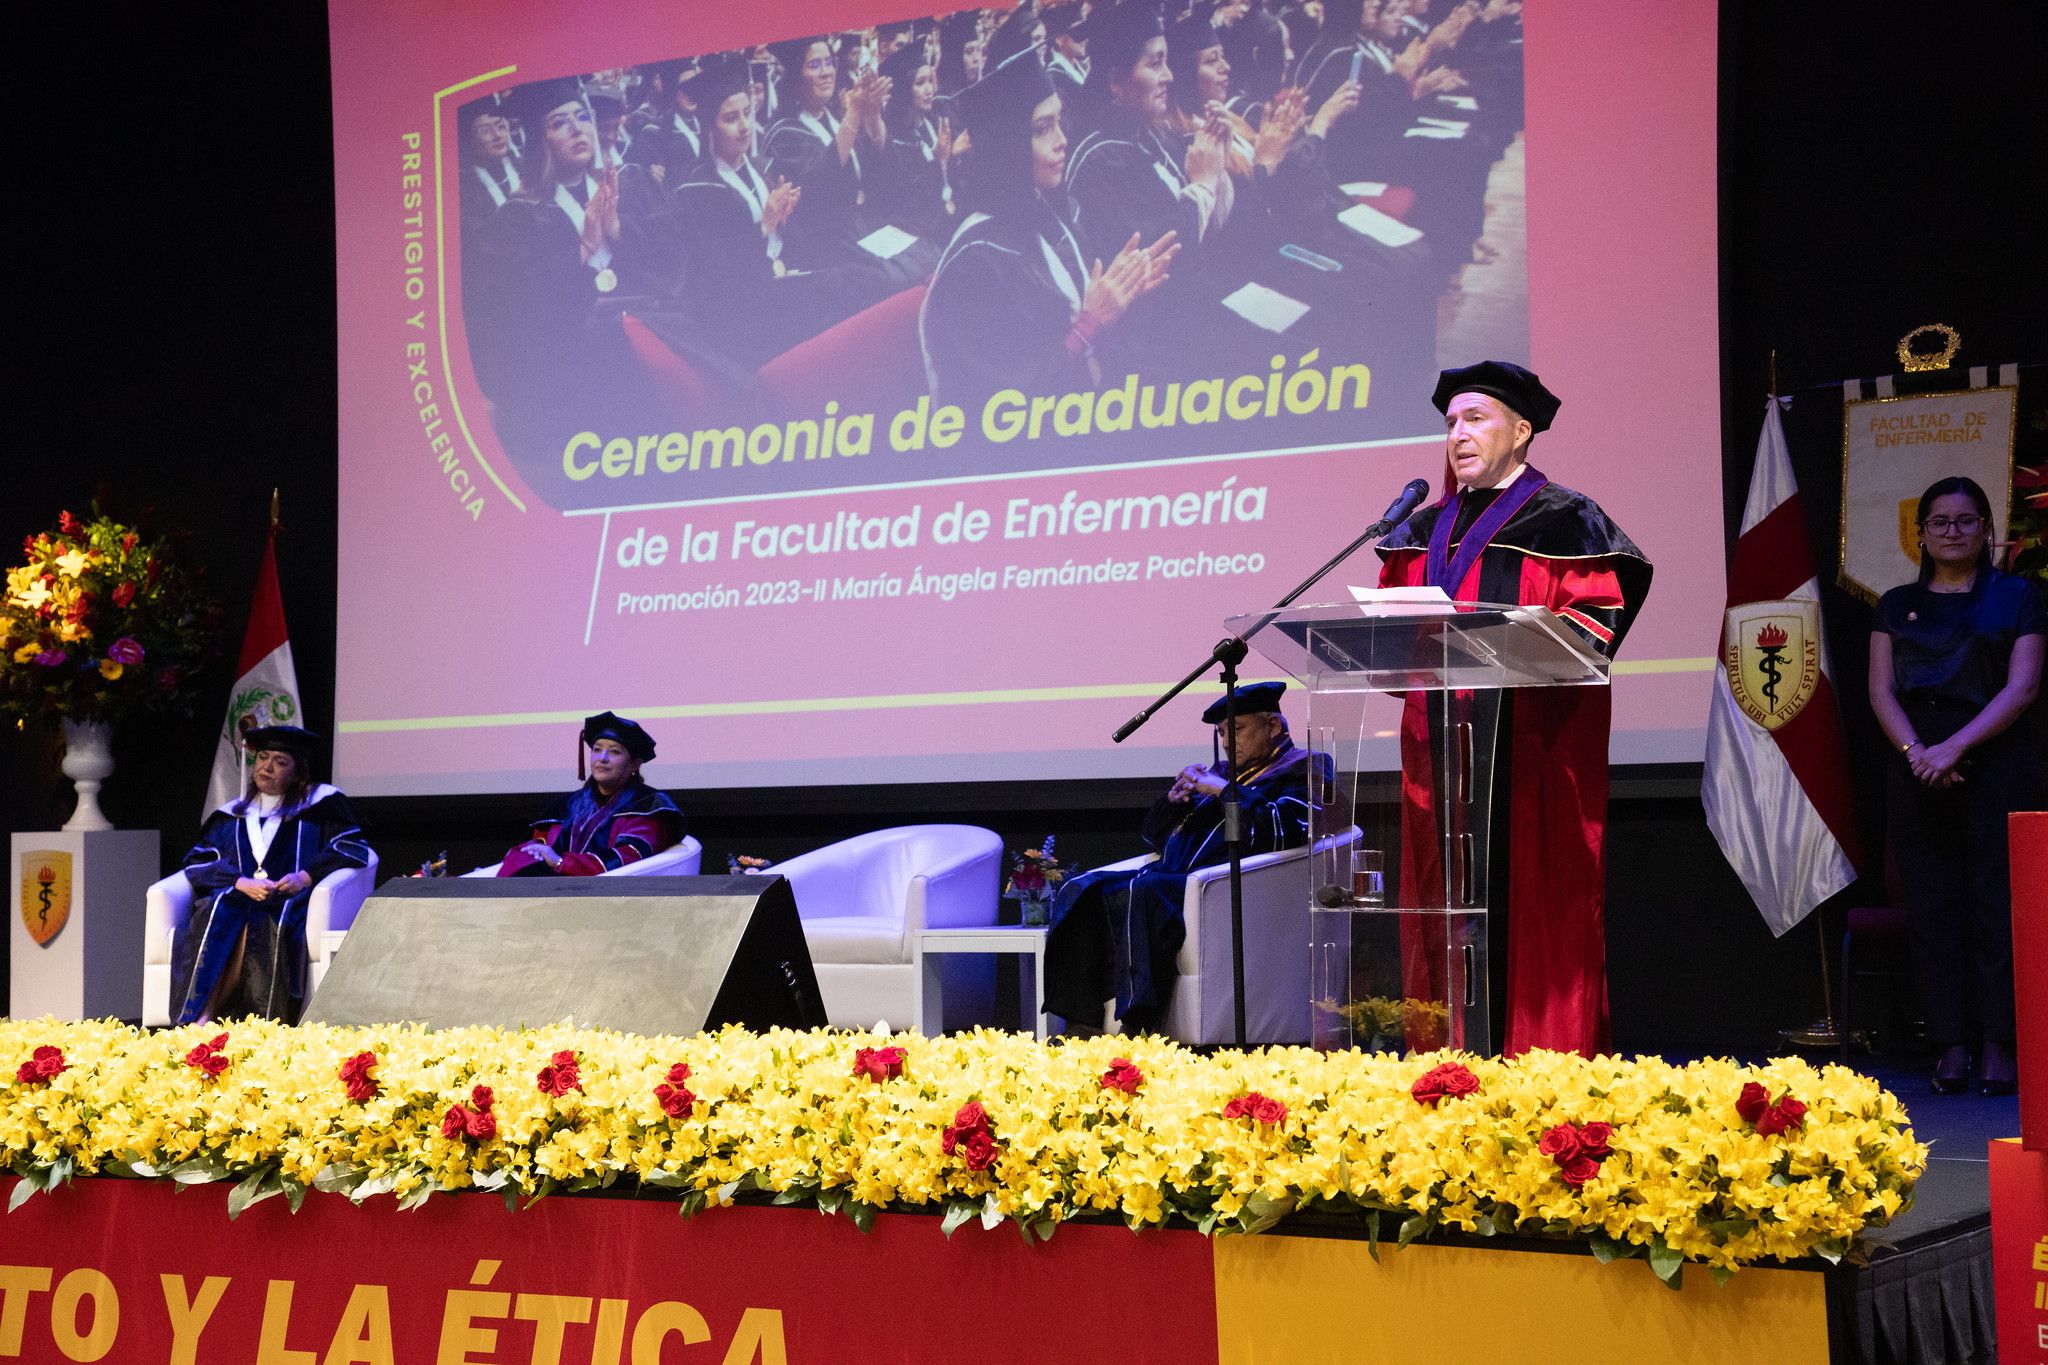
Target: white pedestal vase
88,761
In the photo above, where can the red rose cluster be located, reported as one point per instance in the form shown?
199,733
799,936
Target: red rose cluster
968,1134
1578,1149
879,1064
560,1075
355,1074
44,1065
1755,1107
676,1098
475,1119
207,1056
1447,1081
1257,1107
1123,1074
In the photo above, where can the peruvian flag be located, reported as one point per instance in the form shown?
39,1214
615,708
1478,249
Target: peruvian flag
1777,781
266,686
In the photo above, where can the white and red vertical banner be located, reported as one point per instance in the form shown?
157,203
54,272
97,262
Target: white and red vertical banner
266,686
1777,782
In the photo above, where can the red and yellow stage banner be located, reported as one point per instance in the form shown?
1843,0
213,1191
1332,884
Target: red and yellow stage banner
133,1271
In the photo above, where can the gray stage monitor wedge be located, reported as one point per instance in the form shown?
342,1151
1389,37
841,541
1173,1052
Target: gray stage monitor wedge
648,955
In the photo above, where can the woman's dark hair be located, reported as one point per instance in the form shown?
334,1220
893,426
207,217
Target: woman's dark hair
294,793
1969,488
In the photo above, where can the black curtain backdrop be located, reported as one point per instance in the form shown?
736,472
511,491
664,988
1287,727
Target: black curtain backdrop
1877,160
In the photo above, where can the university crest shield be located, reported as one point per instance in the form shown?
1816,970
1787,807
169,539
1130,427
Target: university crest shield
1772,653
45,892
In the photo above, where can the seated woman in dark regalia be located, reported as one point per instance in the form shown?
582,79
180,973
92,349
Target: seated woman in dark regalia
1130,173
1016,301
826,153
243,950
911,184
1116,933
613,819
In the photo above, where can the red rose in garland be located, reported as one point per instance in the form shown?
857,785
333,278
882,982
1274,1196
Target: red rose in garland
968,1135
1782,1117
44,1065
879,1064
1578,1150
474,1120
675,1097
1259,1108
1447,1081
207,1056
1123,1074
560,1075
355,1074
1752,1102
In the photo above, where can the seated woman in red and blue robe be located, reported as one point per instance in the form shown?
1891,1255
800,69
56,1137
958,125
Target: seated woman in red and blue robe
613,819
243,949
1117,932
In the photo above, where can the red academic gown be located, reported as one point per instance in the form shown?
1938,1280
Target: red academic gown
1560,551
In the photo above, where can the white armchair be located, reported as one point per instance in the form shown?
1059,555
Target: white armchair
332,905
862,898
1276,951
677,860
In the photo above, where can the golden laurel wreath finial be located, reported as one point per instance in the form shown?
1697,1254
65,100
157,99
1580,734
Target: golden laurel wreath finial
1931,360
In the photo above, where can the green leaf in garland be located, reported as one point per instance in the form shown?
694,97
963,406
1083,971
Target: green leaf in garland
1411,1228
244,1194
1666,1264
1606,1250
1722,1274
23,1188
1372,1235
862,1213
957,1212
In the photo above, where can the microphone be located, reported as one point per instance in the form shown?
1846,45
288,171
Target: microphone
1398,510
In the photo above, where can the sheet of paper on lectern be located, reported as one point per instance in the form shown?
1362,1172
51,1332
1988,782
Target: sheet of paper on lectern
1364,189
886,241
1267,308
1368,221
1424,601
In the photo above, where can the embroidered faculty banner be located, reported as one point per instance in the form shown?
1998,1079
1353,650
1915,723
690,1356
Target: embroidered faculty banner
1892,448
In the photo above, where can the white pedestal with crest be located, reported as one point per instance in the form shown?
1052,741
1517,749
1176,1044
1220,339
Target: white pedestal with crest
75,922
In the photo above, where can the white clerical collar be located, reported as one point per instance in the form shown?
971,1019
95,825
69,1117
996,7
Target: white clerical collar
1512,477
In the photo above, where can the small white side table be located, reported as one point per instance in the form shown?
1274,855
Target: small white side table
927,944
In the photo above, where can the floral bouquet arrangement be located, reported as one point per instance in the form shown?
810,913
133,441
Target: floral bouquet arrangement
739,865
1035,875
100,621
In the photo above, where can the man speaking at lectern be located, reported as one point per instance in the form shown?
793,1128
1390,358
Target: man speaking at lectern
1505,534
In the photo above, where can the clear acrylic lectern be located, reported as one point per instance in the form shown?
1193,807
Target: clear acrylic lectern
1399,928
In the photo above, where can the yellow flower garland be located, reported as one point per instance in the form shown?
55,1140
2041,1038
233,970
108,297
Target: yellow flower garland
784,1111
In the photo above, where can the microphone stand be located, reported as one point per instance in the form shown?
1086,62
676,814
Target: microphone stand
1229,652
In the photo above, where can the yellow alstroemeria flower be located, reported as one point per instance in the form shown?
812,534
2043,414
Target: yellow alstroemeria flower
110,669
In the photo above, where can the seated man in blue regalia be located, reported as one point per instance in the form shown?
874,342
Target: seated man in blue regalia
1116,932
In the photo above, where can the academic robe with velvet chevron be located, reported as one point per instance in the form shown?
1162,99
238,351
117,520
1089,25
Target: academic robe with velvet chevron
1118,932
322,835
595,834
1562,552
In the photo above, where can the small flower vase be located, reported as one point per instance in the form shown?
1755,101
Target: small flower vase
88,761
1036,911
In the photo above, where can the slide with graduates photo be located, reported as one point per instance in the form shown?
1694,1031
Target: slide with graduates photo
867,394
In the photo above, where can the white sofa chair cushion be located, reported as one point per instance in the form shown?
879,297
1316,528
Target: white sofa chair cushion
862,898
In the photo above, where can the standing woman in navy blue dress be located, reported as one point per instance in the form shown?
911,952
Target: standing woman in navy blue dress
243,950
1955,661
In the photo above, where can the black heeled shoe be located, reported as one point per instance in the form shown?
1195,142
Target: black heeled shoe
1998,1059
1952,1072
